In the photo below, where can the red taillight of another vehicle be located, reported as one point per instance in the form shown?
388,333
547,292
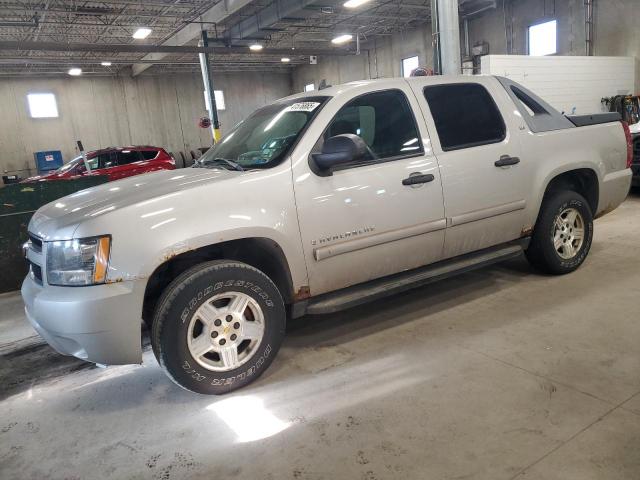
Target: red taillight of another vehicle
627,134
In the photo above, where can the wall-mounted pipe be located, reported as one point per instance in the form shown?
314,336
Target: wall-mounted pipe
467,44
588,26
30,24
435,38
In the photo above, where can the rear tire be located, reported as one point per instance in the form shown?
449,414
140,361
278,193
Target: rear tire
218,327
563,233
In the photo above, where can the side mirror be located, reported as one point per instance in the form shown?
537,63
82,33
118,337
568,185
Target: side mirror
338,150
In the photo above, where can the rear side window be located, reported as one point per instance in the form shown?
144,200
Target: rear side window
385,122
126,156
465,115
149,154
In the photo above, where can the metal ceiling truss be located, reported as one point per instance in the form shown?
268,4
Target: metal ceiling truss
48,32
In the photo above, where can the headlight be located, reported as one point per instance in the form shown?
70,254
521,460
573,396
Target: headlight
78,262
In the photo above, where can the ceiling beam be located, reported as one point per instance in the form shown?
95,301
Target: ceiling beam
102,47
164,49
265,18
57,61
216,14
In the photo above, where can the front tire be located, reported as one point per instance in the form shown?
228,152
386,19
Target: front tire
218,327
563,233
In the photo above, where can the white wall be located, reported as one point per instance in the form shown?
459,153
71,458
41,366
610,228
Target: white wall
107,111
570,84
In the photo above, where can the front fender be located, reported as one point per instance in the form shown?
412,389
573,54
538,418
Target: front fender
252,205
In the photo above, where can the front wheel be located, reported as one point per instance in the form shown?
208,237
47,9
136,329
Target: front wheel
563,233
218,326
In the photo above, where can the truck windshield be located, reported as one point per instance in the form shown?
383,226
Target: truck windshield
264,138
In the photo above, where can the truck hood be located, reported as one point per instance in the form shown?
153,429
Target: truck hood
59,219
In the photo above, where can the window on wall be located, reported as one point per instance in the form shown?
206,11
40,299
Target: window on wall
543,39
219,97
309,87
409,65
42,105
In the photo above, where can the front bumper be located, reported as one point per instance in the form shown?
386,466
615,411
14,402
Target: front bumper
100,324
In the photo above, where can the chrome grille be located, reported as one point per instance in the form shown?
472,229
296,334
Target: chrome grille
36,272
36,243
35,257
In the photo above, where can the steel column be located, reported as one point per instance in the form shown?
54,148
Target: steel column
449,36
208,88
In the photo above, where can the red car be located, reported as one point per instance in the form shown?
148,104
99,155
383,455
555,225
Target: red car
115,162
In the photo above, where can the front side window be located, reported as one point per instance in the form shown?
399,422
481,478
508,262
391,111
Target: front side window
94,163
465,115
265,138
384,121
104,160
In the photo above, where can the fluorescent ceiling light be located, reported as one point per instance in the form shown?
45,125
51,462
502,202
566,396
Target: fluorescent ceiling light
141,33
285,60
256,47
106,64
342,39
75,71
354,3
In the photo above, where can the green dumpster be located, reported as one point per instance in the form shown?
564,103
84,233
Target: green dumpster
18,202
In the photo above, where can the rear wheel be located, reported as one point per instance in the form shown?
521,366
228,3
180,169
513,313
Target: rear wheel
218,326
563,233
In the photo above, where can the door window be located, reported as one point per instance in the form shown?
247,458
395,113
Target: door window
92,162
126,156
149,154
384,121
465,115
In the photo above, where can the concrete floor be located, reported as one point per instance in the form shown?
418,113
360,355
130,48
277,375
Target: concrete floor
496,374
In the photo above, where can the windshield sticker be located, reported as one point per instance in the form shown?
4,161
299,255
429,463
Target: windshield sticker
303,107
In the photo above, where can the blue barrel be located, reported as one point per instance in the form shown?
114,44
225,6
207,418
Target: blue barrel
49,160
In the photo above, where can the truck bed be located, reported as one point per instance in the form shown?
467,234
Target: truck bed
594,119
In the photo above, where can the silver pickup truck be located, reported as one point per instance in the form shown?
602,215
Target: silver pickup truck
316,203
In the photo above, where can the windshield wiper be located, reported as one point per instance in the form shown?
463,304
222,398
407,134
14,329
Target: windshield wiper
224,161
